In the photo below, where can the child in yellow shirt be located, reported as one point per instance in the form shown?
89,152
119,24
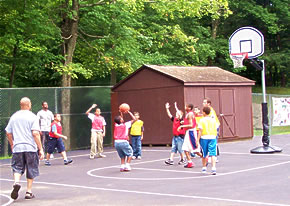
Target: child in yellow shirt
136,133
207,139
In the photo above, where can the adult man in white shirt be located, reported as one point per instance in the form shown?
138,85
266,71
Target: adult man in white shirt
23,136
45,118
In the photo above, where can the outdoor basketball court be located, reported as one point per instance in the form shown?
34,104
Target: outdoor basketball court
242,179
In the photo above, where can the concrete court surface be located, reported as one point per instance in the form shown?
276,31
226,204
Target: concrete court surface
243,179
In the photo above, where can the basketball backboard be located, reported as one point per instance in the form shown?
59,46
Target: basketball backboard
247,40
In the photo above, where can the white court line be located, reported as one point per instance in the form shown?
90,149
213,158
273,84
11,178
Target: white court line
156,193
9,198
175,178
175,171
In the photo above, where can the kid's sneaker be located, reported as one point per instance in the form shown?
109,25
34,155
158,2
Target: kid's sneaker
189,165
127,168
213,171
47,163
169,162
139,158
122,168
66,162
133,157
181,162
102,155
203,170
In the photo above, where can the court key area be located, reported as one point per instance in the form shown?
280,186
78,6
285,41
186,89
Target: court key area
242,179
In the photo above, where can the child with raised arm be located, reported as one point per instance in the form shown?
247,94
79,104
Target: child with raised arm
98,132
207,138
178,136
121,138
55,141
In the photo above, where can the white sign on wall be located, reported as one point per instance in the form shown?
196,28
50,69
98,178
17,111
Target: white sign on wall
281,111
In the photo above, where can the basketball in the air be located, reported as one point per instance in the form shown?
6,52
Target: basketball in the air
124,107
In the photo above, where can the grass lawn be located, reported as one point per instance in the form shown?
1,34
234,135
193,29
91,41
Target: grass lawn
6,157
274,131
272,90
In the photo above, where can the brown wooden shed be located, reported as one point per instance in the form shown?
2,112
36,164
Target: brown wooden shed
151,86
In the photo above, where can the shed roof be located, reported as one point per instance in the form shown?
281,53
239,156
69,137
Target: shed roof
196,75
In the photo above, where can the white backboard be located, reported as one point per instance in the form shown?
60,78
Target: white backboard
247,40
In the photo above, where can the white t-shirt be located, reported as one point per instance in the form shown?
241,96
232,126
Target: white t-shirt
20,126
46,117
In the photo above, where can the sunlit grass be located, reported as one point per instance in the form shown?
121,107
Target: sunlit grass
274,131
272,90
5,157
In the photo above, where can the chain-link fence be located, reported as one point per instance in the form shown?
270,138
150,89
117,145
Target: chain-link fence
257,112
71,103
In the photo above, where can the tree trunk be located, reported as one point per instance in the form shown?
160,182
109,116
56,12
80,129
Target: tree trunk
283,79
69,30
214,27
113,77
13,68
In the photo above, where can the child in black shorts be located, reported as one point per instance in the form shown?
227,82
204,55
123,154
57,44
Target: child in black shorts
55,141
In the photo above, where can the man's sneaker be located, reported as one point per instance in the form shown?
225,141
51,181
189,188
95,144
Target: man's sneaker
92,156
102,155
29,196
189,165
66,162
181,162
127,168
213,171
133,157
169,162
203,170
139,158
47,163
14,193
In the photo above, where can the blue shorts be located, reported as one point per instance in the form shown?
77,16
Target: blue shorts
25,160
177,143
53,143
124,149
208,147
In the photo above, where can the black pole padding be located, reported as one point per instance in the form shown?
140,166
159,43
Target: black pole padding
265,122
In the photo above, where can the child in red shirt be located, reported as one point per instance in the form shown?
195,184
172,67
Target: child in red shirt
122,145
178,136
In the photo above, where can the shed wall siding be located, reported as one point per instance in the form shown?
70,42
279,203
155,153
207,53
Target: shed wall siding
150,103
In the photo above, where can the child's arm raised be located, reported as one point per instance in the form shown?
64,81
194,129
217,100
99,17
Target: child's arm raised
176,108
92,107
133,117
167,106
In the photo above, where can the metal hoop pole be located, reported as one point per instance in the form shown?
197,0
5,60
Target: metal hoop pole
263,82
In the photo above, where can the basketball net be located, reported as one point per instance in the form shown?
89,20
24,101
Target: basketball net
238,59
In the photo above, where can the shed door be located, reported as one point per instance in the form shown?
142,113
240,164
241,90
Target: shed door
223,103
227,113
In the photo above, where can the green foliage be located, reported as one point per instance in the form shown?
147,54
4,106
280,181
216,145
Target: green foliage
121,35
